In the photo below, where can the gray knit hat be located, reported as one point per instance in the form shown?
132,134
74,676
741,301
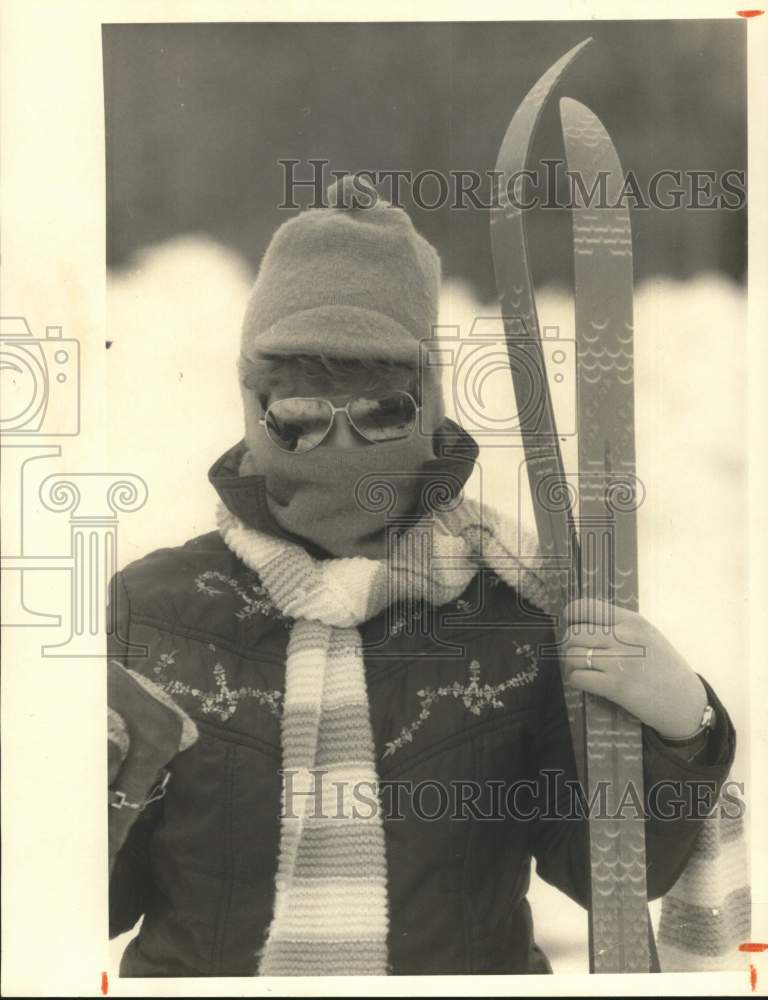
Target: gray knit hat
351,281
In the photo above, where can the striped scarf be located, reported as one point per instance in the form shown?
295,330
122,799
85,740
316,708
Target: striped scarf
331,908
706,914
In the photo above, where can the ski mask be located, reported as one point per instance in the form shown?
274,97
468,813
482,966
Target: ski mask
340,498
354,280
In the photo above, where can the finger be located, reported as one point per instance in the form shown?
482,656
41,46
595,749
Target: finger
578,658
601,653
592,682
592,611
621,631
610,660
581,637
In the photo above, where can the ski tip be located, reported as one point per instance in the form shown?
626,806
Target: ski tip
571,53
569,104
573,112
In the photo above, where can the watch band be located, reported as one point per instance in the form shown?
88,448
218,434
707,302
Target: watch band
708,722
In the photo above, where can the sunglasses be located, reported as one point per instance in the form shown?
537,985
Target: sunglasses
301,423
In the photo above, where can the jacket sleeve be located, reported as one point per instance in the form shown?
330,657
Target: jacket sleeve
678,794
130,879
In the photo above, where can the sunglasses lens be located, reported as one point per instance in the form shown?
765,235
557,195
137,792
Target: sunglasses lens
298,425
389,418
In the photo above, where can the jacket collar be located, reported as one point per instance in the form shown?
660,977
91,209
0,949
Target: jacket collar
246,496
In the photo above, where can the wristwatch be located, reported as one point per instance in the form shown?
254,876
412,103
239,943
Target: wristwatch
708,722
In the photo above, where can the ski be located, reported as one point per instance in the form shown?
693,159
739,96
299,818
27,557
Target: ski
607,527
514,285
603,562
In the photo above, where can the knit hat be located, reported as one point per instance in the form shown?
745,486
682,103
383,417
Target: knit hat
348,281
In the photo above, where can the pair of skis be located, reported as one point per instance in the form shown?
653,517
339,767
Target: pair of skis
599,555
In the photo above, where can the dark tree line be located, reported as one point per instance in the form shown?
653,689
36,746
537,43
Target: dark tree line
198,116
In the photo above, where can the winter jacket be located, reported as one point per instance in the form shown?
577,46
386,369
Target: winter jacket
467,696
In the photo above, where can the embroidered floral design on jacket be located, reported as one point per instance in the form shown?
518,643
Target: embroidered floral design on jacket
224,701
256,599
477,697
409,620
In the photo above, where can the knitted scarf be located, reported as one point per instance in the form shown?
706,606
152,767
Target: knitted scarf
331,913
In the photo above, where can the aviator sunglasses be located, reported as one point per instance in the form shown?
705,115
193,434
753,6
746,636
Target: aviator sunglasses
301,423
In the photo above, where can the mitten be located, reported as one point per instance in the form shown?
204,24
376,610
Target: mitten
146,729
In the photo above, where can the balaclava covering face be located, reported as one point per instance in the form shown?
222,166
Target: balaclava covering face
345,282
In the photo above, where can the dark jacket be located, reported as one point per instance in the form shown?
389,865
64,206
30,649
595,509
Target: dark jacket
465,695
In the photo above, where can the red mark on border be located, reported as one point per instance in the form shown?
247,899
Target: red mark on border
753,947
750,13
105,983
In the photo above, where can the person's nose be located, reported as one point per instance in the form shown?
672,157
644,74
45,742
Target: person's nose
342,434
